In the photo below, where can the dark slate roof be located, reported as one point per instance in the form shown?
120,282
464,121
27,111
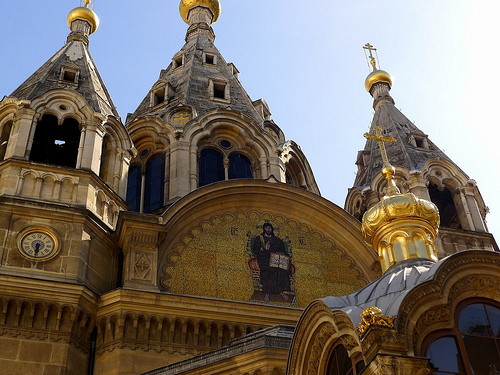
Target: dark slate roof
74,55
401,153
190,81
387,292
279,336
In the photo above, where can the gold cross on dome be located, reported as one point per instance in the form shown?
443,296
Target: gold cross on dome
181,119
378,137
87,2
370,48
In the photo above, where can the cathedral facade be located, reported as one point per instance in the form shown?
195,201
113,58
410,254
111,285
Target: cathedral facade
192,238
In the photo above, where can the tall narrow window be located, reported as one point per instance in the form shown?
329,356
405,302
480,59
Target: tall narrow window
211,167
56,144
155,183
4,138
239,166
447,211
134,187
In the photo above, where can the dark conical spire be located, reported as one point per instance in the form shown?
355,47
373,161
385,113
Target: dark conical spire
72,67
198,76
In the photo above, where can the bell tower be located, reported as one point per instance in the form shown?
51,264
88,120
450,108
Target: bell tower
421,168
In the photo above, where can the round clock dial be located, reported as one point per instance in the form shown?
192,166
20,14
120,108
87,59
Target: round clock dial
37,244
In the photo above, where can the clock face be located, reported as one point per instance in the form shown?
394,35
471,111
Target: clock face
38,245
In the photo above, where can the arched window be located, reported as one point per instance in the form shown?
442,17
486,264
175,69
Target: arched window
211,167
473,347
239,166
340,363
134,187
447,210
4,138
56,144
155,183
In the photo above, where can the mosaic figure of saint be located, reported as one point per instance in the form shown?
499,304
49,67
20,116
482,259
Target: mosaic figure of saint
274,263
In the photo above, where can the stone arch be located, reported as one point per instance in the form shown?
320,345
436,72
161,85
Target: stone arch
55,143
129,327
142,333
316,333
53,317
190,333
214,335
154,332
11,317
38,316
430,306
202,333
178,331
165,330
26,314
66,318
297,170
5,130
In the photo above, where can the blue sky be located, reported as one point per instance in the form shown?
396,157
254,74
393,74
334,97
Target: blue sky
305,58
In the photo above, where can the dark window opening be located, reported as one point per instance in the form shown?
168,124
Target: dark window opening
178,62
339,362
447,211
159,96
239,166
209,59
211,167
419,142
69,76
220,90
134,188
4,139
289,179
154,183
225,143
56,144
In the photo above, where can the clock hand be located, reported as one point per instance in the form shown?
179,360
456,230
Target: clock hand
37,248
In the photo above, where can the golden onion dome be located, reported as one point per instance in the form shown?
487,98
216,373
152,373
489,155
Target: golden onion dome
86,14
400,206
186,5
377,76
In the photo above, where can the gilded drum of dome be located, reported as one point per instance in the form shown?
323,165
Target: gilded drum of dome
86,14
398,206
377,76
186,5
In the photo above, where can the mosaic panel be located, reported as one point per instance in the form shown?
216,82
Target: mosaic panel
258,257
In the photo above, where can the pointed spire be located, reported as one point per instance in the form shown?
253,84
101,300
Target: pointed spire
72,67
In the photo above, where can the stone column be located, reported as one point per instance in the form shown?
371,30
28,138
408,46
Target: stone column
22,132
179,169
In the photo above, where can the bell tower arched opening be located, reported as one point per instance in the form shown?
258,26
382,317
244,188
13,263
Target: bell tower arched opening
448,213
4,138
54,143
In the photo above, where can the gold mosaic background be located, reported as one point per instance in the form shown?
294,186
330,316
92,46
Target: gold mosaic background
212,260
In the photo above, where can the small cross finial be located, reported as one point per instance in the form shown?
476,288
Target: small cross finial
387,169
368,47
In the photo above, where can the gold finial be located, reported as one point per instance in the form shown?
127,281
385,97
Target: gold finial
186,5
86,13
372,316
376,75
387,169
